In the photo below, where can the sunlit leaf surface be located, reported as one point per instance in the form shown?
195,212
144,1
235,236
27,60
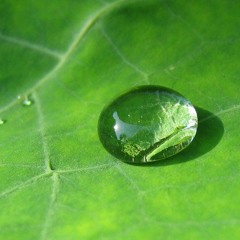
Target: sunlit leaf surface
70,58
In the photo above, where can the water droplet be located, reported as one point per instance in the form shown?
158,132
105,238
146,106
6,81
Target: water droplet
162,123
2,121
26,101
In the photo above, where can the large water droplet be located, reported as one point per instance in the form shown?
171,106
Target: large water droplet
146,124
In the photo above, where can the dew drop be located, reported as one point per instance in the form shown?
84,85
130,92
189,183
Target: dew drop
162,123
26,101
2,121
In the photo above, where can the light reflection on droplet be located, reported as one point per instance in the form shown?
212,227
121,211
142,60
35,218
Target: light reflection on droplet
2,121
26,100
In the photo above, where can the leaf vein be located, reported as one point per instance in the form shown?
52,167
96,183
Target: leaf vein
227,110
102,166
42,133
123,57
19,165
26,44
22,185
50,210
79,36
127,177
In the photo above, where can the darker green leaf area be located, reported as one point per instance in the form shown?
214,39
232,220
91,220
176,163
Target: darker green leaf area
72,58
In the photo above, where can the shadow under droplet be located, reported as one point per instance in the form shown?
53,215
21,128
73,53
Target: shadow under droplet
210,132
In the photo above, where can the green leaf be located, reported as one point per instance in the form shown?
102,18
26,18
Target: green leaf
70,58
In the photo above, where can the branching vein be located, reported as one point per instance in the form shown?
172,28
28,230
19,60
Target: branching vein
231,109
13,165
50,210
79,36
42,133
124,58
127,177
26,44
22,185
181,19
103,166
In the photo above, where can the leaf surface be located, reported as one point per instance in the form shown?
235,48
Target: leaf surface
70,58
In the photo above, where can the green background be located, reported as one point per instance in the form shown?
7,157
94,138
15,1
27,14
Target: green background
71,58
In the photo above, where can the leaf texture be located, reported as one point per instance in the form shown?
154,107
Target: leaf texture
70,58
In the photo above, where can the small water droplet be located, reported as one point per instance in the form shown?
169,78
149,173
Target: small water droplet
2,121
162,123
26,100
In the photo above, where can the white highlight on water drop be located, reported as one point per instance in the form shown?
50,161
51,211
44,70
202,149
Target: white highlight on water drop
26,101
2,121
